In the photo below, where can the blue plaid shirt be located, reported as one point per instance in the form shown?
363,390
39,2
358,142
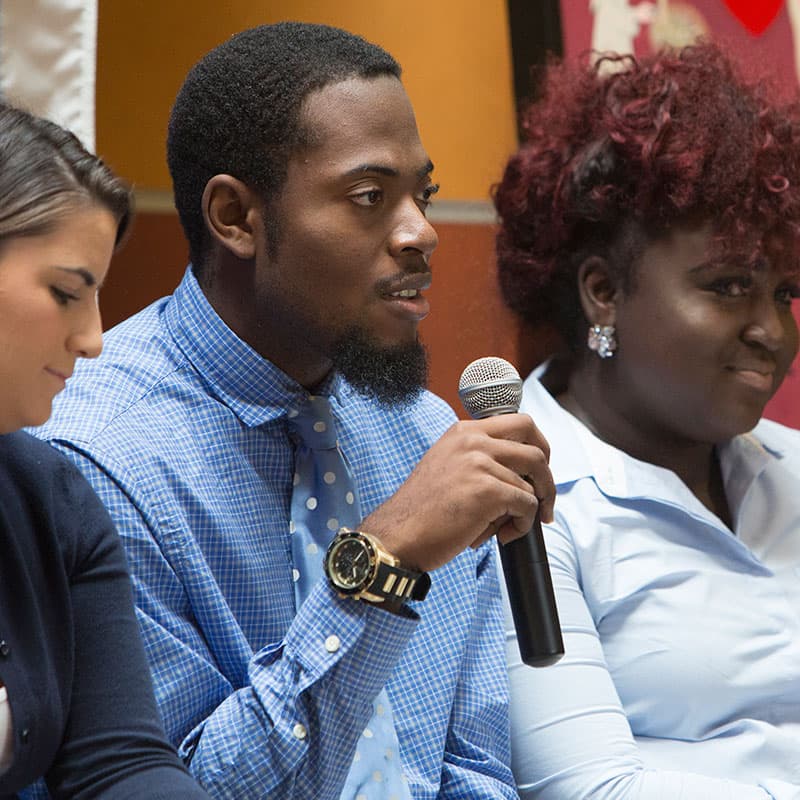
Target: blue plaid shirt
181,428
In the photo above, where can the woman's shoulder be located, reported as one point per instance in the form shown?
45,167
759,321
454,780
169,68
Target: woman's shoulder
24,457
35,466
42,490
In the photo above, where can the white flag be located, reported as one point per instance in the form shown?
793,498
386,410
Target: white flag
48,51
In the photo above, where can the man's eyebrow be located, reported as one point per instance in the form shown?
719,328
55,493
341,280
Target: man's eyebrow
87,276
390,172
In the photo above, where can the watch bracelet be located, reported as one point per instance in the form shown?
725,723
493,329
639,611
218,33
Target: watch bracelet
397,583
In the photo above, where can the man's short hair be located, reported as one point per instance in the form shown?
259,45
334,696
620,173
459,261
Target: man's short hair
238,110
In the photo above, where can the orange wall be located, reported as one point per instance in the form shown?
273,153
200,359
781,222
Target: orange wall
455,56
457,70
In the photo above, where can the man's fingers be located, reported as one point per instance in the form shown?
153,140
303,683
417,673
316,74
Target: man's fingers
517,428
530,463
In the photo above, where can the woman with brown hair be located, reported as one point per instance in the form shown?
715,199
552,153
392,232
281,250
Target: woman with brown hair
76,701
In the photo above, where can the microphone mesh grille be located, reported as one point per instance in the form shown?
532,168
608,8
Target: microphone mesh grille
490,386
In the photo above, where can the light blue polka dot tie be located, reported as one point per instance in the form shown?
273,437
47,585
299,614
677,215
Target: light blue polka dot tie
324,499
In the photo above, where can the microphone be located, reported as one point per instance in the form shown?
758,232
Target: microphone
491,386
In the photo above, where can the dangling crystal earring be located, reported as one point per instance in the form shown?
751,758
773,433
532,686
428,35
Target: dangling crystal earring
602,340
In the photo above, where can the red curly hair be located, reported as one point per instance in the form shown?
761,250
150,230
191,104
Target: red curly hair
611,160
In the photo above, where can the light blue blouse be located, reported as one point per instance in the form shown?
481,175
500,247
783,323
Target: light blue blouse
681,677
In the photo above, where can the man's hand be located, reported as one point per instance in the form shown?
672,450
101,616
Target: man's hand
482,477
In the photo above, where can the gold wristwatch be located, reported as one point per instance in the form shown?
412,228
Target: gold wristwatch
358,567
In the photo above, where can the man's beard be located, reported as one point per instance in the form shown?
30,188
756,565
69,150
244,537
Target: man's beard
392,376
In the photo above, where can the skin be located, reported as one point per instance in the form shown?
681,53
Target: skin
48,307
702,346
352,235
352,232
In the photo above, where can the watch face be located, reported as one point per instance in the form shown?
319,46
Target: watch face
350,563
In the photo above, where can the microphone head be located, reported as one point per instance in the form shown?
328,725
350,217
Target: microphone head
490,386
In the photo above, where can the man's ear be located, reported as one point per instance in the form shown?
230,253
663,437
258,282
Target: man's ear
232,213
598,291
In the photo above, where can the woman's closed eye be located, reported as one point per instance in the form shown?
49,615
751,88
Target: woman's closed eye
62,296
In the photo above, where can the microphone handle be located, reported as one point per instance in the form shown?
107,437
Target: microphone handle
533,604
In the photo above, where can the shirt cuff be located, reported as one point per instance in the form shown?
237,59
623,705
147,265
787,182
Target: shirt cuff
329,629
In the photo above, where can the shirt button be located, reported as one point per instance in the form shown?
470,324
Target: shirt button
4,648
299,731
332,644
24,734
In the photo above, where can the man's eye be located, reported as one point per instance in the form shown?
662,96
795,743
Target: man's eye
429,191
368,198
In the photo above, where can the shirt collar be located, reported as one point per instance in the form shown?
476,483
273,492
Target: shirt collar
253,388
568,459
577,453
742,460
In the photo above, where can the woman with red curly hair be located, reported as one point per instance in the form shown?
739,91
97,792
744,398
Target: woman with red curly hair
652,218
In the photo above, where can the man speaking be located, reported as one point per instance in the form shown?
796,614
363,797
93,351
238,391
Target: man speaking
307,527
